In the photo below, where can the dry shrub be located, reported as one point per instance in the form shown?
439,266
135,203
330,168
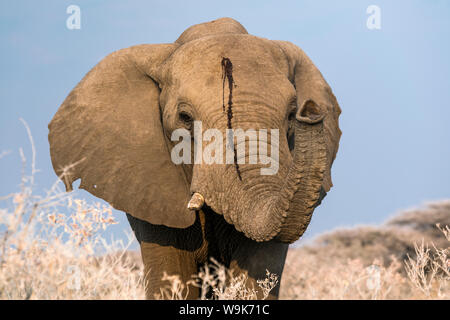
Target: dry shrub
430,272
218,283
46,254
309,276
228,286
423,222
51,247
405,258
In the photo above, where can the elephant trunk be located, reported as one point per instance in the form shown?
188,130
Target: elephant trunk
277,206
286,215
303,190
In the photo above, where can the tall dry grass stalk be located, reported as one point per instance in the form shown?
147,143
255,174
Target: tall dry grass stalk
430,271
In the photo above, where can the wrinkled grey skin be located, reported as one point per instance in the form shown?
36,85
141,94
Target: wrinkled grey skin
113,132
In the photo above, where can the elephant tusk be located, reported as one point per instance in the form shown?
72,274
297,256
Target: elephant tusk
196,202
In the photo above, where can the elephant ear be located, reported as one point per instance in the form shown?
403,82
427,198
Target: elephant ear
108,133
314,95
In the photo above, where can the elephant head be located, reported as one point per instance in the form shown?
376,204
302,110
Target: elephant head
114,130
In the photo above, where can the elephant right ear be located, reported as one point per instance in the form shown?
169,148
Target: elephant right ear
108,133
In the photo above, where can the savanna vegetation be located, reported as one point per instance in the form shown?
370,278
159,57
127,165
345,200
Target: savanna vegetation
51,247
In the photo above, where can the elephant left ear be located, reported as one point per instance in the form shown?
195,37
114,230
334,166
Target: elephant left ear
315,100
108,133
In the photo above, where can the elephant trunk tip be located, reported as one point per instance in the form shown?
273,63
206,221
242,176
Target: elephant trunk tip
197,201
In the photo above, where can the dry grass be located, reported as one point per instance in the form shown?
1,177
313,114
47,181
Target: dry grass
405,258
49,255
51,248
218,283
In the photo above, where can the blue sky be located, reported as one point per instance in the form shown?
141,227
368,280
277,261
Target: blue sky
392,85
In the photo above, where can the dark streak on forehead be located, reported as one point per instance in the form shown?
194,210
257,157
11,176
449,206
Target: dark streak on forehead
227,74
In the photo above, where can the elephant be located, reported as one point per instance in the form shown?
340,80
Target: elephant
114,132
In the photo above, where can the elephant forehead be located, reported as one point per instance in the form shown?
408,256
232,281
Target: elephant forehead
249,55
259,69
273,90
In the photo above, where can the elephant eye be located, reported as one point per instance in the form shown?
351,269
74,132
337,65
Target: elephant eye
291,115
185,118
290,131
